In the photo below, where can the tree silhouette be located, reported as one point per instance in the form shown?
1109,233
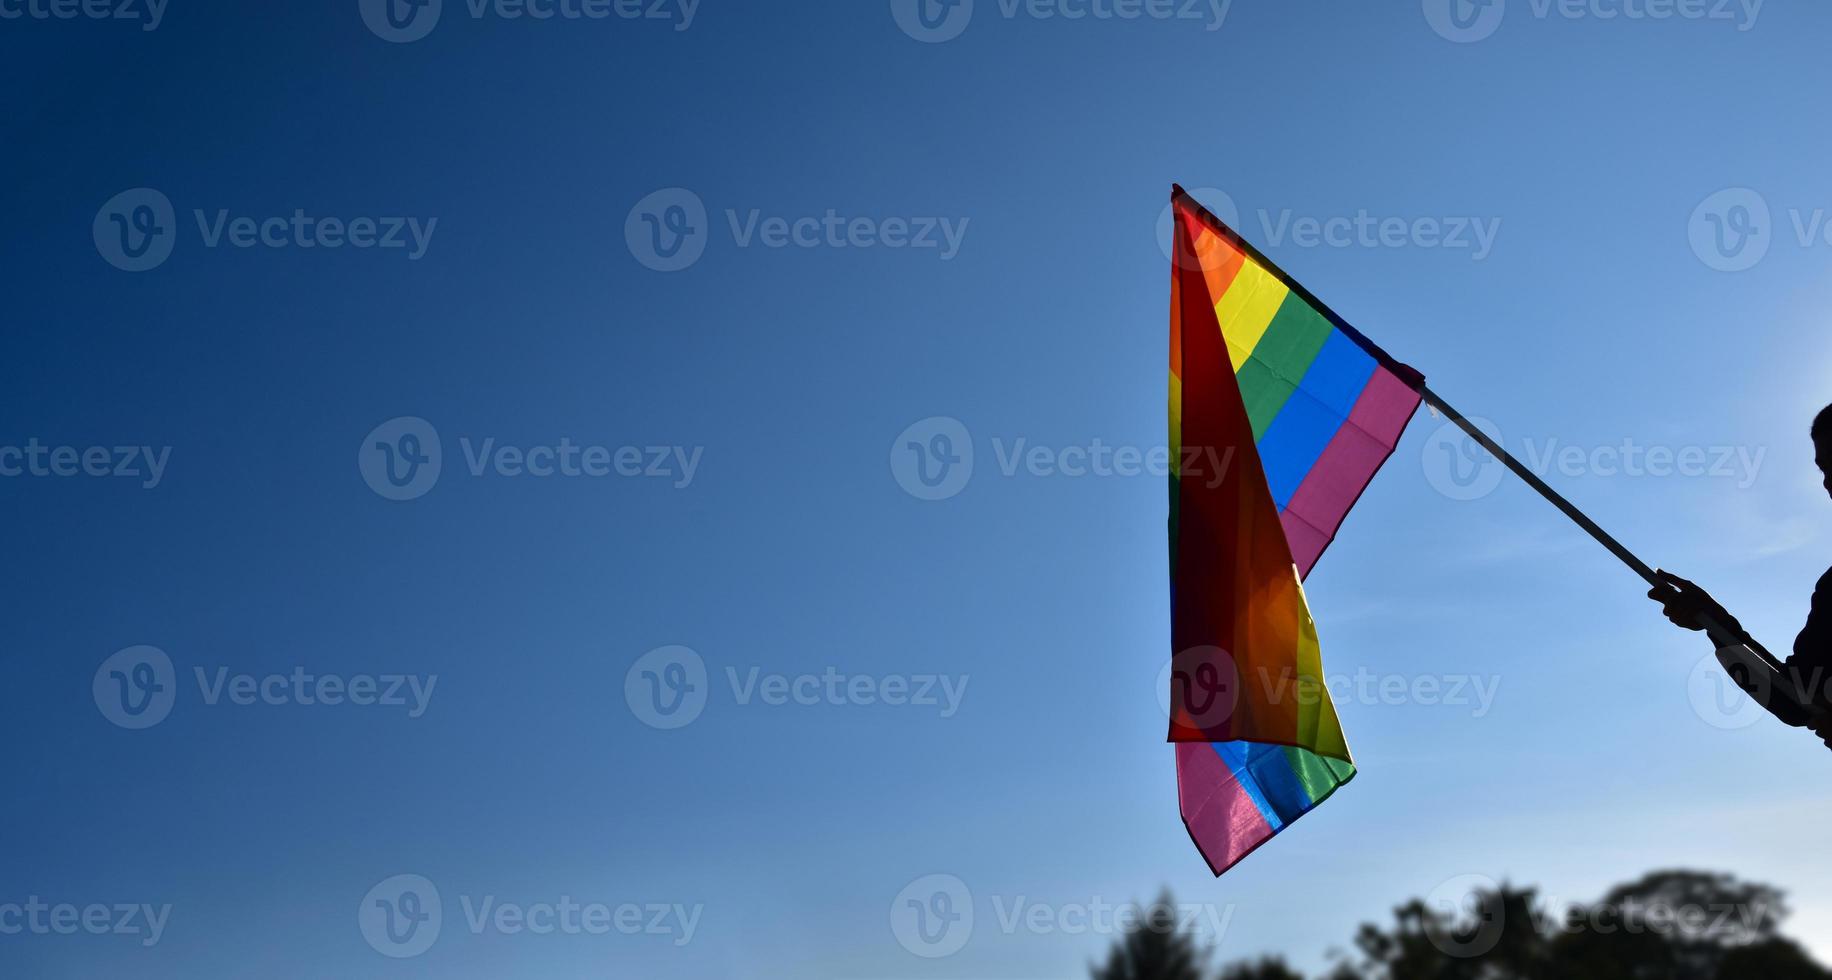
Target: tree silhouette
1773,959
1153,948
1266,969
1472,941
1667,925
1670,924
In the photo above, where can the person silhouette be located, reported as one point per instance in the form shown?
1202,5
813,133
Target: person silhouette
1811,665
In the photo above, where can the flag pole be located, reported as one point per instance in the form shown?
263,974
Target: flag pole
1553,496
1772,690
1719,634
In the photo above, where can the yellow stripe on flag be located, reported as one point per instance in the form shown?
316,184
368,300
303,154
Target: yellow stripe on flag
1247,309
1176,425
1318,727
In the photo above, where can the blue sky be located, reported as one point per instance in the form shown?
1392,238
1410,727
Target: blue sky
877,227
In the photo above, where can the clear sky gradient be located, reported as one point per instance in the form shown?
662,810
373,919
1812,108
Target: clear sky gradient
1617,311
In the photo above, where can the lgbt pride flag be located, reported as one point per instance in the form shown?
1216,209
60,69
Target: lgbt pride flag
1280,414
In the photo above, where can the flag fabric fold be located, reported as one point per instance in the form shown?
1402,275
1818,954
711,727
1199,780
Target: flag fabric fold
1280,415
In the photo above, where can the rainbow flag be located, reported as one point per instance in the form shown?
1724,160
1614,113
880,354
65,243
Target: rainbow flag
1280,414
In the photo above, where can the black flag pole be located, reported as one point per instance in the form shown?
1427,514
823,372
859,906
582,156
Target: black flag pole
1754,669
1557,500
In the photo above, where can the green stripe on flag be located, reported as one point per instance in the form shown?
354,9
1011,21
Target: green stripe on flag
1280,359
1317,774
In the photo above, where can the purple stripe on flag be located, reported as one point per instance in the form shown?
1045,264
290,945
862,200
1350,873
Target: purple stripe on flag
1307,542
1346,466
1385,407
1221,817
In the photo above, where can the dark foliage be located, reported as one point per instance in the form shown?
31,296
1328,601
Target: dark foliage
1154,949
1668,925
